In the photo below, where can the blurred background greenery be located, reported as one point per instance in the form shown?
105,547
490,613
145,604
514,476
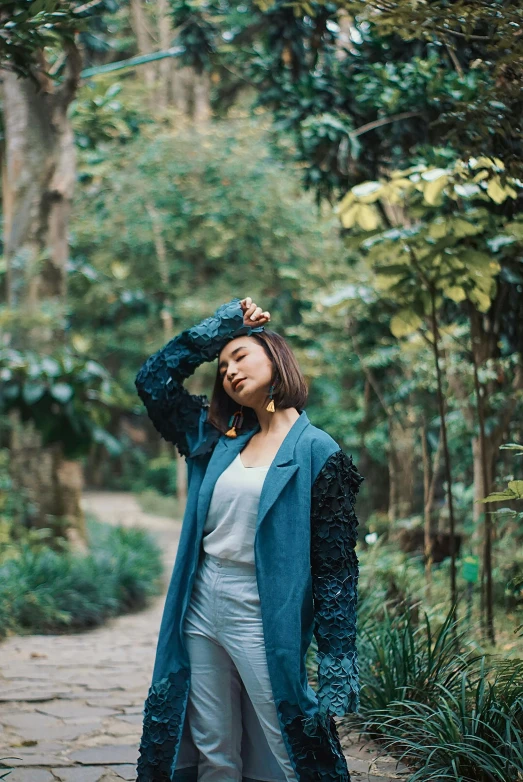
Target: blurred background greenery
356,168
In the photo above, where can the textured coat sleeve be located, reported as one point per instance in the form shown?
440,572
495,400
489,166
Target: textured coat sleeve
172,409
335,571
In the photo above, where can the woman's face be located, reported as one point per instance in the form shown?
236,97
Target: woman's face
245,359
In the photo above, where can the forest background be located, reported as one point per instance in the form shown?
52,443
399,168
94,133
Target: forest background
355,168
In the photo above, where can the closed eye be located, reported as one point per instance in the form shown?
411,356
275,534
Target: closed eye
238,359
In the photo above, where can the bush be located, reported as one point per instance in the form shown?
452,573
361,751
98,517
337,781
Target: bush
435,703
472,733
138,473
48,591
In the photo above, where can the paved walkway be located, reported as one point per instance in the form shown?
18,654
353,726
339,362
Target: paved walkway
71,705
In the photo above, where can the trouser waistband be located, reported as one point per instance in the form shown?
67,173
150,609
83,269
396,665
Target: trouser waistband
227,564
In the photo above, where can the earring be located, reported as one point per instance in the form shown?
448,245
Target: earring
270,406
235,422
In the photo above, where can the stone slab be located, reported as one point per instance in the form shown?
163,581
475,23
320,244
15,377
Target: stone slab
77,710
78,773
30,775
126,772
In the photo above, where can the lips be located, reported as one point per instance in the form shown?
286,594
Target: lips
237,383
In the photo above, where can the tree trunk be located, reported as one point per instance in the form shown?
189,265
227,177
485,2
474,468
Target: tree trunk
145,46
446,452
402,468
183,90
165,66
38,181
202,99
191,94
51,485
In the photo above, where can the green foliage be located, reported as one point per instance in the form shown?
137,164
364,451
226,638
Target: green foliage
363,87
100,115
197,216
48,591
67,396
443,240
14,506
161,474
514,490
404,661
469,732
32,31
26,26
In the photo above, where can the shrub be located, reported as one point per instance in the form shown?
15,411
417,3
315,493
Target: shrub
47,591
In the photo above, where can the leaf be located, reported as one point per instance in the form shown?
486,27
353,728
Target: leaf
119,270
367,192
345,203
112,445
512,447
404,323
62,392
460,227
392,269
496,191
515,228
437,230
517,488
51,367
455,293
80,343
434,173
480,299
384,283
33,392
467,191
368,217
36,7
11,391
348,218
499,496
434,190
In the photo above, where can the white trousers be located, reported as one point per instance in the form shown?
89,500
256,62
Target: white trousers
224,638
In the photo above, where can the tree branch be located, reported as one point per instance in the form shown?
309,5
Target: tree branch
385,121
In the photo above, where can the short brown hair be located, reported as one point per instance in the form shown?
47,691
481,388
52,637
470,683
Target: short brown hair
290,387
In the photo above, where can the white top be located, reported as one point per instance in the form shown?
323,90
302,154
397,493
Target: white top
230,526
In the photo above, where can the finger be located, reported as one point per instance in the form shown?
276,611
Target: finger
256,313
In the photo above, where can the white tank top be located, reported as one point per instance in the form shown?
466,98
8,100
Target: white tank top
230,526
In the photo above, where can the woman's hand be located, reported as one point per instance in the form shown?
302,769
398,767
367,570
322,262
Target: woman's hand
252,314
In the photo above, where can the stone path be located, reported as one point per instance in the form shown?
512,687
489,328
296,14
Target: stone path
71,705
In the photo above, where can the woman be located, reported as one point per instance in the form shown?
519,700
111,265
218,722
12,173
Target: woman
266,558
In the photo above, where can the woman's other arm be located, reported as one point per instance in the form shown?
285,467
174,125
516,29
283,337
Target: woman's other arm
335,571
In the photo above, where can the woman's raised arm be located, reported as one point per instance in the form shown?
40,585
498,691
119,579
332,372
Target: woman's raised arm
175,412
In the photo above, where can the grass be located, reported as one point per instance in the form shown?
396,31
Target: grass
47,591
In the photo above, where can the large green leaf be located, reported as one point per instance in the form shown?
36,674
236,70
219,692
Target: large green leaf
404,323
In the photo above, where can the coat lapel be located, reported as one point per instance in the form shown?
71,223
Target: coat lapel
279,473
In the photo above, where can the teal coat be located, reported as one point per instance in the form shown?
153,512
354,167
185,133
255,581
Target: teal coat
306,570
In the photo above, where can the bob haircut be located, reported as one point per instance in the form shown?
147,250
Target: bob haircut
290,387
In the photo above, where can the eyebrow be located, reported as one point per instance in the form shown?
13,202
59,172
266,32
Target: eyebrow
224,363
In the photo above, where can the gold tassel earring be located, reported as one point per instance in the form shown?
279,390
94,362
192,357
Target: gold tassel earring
270,406
235,422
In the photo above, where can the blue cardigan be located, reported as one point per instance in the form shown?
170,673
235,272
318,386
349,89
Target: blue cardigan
306,569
